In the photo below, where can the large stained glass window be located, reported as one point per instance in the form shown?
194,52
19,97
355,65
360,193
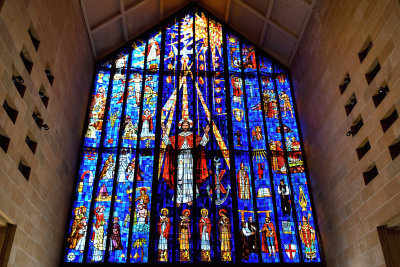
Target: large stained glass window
191,153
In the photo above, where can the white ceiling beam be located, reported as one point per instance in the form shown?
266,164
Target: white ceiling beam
256,12
135,5
265,24
83,7
283,30
303,28
114,17
105,22
124,26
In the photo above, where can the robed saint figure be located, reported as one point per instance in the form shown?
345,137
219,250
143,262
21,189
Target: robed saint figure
179,158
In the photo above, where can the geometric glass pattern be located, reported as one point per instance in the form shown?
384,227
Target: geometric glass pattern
191,153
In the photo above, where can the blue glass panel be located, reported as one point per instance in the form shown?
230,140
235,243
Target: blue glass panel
165,189
204,213
138,51
171,46
186,42
97,108
225,211
265,64
80,211
289,245
240,139
216,41
142,203
186,179
264,192
102,205
234,58
201,42
131,118
249,58
149,114
302,202
153,51
246,211
117,100
122,206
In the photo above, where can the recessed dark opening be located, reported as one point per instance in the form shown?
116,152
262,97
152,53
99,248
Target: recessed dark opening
19,84
35,41
49,76
371,75
37,119
4,142
363,54
344,83
380,95
356,126
361,151
394,150
28,64
44,98
370,175
388,121
32,145
350,105
25,170
12,113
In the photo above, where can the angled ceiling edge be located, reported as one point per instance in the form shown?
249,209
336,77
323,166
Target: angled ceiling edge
191,6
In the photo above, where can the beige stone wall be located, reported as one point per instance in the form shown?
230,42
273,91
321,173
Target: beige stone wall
348,210
39,206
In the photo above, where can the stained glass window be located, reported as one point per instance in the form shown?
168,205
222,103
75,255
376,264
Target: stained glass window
191,153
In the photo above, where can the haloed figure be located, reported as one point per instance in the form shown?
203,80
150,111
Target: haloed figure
224,228
205,234
183,146
184,236
164,226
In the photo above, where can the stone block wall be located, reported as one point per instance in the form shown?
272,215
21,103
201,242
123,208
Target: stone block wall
349,210
39,205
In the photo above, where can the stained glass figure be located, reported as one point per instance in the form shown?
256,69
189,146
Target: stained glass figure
191,153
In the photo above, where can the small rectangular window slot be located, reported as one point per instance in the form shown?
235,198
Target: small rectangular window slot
370,174
36,117
4,142
32,145
380,95
26,59
357,126
361,151
389,120
44,97
373,72
19,84
350,104
12,113
365,49
34,38
344,83
394,150
24,169
49,75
